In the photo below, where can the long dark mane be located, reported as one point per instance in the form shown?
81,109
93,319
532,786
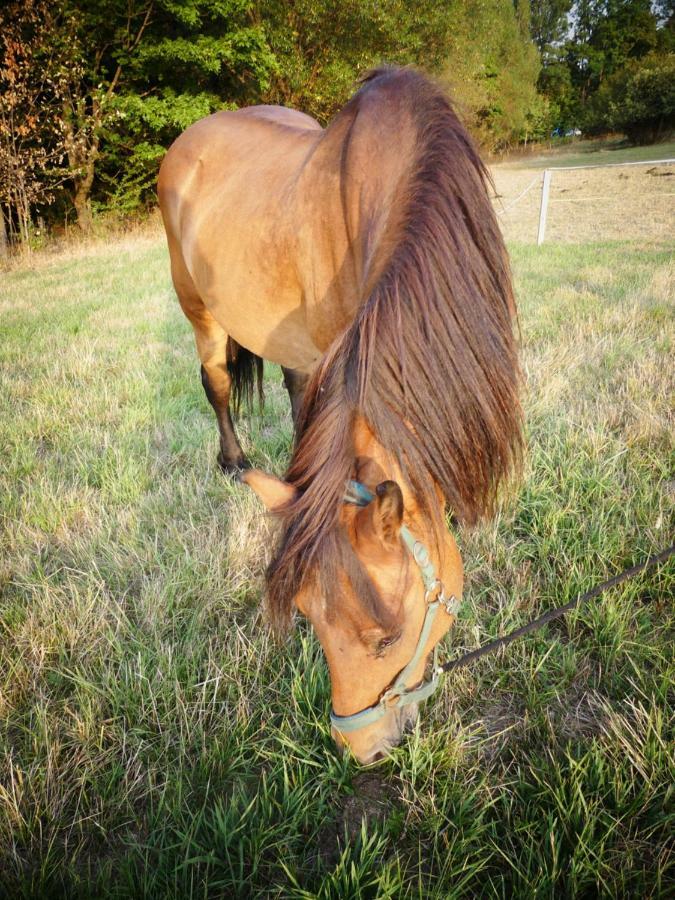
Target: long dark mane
430,361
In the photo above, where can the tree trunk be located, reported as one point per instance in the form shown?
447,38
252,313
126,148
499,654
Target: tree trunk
83,208
23,214
81,200
4,239
82,158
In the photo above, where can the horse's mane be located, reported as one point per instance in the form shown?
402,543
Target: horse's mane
430,360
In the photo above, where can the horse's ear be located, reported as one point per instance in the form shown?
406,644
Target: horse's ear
388,512
274,493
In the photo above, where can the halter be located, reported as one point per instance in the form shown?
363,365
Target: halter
398,694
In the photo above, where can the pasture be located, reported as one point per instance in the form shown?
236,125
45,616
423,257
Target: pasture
156,742
589,153
589,205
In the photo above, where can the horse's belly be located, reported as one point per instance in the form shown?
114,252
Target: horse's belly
277,333
245,272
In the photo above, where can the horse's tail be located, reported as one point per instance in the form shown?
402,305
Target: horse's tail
246,371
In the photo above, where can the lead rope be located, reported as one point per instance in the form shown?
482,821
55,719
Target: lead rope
556,613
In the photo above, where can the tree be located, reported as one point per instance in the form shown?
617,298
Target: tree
607,34
102,38
555,83
640,99
322,46
480,48
195,57
491,68
118,79
32,142
608,37
549,22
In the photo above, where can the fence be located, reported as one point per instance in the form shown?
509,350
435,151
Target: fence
639,210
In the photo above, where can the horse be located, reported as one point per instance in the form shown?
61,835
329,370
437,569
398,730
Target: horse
365,259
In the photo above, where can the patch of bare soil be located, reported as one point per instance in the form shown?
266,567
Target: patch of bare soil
373,800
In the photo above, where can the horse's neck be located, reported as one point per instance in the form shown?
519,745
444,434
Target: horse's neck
350,191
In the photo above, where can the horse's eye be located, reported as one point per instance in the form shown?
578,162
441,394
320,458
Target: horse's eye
384,643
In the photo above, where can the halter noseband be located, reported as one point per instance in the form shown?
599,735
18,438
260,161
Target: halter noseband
398,694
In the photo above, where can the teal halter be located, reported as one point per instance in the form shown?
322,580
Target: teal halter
398,694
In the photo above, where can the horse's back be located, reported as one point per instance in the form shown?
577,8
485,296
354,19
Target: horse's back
281,115
230,142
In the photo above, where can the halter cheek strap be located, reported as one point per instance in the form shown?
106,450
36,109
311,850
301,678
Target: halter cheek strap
398,694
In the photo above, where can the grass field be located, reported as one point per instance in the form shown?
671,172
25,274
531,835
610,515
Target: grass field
635,202
591,153
156,742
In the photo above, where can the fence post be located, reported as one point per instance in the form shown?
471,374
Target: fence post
544,207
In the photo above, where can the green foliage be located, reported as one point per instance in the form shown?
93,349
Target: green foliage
640,99
491,68
309,55
548,22
321,46
599,64
109,84
193,58
480,48
555,82
125,77
608,34
134,149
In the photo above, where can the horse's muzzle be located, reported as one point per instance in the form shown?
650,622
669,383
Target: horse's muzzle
370,745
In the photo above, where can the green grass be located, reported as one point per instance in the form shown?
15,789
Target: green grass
592,153
155,742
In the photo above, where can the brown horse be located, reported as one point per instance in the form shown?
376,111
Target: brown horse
366,260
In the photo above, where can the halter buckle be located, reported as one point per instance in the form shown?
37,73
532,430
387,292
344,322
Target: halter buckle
450,604
387,696
437,590
420,553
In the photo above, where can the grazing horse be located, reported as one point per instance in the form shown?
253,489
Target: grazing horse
365,259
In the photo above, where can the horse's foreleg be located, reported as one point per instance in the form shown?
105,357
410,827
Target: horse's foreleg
217,386
295,382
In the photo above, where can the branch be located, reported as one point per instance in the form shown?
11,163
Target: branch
130,49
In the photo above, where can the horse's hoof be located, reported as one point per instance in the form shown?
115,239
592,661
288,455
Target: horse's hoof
233,468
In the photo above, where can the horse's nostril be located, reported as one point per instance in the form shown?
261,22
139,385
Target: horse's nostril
377,756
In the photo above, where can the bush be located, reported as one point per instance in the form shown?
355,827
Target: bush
640,99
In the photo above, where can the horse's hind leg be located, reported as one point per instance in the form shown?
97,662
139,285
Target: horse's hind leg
211,342
295,382
217,386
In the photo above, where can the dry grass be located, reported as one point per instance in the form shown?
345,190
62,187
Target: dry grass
154,742
586,152
107,237
636,202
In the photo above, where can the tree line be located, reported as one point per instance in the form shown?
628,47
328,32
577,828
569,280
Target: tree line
92,92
